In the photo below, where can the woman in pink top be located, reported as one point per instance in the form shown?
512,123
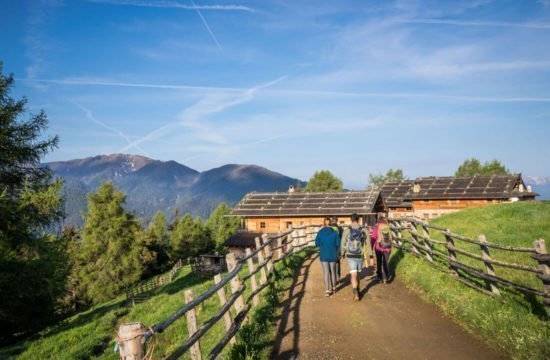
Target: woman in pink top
382,253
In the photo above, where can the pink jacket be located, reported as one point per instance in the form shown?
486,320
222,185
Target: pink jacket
374,238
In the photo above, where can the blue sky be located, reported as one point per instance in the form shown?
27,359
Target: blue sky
355,87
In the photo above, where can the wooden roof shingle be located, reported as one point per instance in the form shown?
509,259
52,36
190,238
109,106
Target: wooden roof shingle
393,192
308,204
469,187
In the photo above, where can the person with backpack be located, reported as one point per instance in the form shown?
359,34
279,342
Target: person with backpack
328,241
339,230
356,249
382,247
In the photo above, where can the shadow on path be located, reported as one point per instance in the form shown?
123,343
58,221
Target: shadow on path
289,321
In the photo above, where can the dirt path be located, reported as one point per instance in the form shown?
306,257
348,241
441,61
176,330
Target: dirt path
390,322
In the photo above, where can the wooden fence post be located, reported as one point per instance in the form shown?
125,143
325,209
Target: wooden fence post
544,265
280,241
235,282
268,253
131,345
263,276
250,261
192,327
488,265
452,255
223,300
414,233
399,232
427,244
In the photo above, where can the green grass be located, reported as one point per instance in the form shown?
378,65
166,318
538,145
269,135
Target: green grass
91,334
516,324
255,339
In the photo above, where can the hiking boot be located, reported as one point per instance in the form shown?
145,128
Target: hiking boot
327,293
355,294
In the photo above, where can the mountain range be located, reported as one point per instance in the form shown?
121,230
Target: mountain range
540,185
152,185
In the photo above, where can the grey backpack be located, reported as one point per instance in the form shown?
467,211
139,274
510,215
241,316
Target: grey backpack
355,240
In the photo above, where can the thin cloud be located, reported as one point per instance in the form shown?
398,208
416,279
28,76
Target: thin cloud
90,116
529,25
294,92
95,82
193,116
207,26
175,5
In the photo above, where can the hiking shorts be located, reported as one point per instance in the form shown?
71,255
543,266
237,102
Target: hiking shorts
355,264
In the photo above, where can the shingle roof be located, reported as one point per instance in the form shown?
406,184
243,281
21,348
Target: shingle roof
393,192
469,187
308,204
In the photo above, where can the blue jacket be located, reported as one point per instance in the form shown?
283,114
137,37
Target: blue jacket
328,242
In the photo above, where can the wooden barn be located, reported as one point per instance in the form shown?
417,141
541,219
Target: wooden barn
393,192
429,197
277,212
242,240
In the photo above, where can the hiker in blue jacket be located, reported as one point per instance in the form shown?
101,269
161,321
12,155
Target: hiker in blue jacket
328,241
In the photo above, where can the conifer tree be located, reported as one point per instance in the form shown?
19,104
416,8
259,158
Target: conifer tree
189,238
110,247
33,262
324,180
157,242
473,166
222,226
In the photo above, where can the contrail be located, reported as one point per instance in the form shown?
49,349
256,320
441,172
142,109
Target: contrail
206,25
533,25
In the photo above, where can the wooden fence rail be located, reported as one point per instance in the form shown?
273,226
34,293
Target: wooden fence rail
138,293
421,244
133,337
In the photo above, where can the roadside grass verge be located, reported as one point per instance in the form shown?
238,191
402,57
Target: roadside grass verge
255,340
91,334
516,324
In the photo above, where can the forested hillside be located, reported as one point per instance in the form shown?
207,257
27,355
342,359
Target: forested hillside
153,185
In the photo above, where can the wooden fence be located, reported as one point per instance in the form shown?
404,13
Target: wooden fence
444,255
133,337
138,293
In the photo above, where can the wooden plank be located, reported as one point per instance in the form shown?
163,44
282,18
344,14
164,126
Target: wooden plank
488,266
268,253
452,254
191,315
263,275
540,247
223,300
254,284
280,242
235,281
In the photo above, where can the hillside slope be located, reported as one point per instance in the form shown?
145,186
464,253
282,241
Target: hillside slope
91,334
517,325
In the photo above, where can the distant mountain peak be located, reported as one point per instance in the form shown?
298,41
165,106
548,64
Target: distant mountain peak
537,180
152,185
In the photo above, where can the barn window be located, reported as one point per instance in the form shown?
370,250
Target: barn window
490,200
288,224
262,225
